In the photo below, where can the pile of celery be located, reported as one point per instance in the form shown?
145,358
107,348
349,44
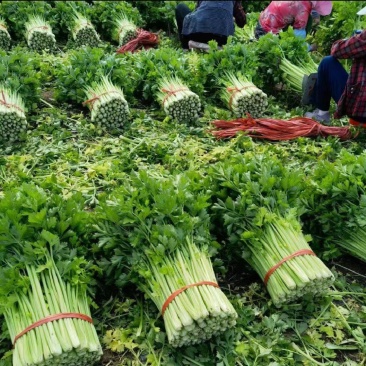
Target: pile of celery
83,32
5,38
156,230
39,34
125,30
32,287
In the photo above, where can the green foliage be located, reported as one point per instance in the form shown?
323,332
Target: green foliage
20,71
104,14
148,218
339,24
88,65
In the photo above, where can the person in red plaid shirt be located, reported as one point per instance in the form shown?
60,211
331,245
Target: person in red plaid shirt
348,91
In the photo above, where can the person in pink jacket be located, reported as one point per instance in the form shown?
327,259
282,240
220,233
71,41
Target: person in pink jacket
279,15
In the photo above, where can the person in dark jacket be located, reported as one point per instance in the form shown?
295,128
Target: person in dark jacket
348,91
211,20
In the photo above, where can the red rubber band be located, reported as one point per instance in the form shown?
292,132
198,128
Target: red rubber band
45,27
234,90
176,293
52,318
293,255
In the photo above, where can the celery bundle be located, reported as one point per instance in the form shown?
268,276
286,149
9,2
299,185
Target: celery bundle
43,283
39,34
296,277
243,97
293,75
108,106
156,232
246,34
68,341
125,30
12,118
354,242
5,38
177,100
83,32
199,312
257,200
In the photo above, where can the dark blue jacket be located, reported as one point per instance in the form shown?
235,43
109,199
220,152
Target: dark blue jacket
215,17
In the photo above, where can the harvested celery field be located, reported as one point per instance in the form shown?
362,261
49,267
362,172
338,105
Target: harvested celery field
138,227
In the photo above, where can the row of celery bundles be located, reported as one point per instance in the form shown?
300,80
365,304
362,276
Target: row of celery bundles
5,38
13,122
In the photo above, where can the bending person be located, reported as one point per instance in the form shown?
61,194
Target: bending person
211,20
279,15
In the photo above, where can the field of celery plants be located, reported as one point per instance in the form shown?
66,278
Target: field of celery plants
130,235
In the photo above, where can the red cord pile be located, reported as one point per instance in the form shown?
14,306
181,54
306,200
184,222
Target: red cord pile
277,129
144,40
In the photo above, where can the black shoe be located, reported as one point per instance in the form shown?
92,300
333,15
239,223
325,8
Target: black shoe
308,84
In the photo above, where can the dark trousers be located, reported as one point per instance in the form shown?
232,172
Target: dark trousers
180,12
331,82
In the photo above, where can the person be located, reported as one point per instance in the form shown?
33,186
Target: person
211,20
279,15
348,91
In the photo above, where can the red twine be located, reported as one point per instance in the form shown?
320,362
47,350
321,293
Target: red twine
279,264
52,318
144,39
234,90
184,288
279,130
8,105
172,92
97,97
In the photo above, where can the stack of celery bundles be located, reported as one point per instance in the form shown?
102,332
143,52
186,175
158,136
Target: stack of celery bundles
5,38
243,97
108,105
13,122
178,101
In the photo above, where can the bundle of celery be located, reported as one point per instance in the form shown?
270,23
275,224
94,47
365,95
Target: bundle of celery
258,201
336,204
293,75
284,260
67,341
39,34
5,38
156,232
108,106
245,34
243,97
354,242
12,115
125,30
177,100
46,310
83,32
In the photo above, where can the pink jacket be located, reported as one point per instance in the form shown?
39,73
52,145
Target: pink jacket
280,14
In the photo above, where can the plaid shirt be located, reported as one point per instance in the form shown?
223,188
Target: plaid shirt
353,99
